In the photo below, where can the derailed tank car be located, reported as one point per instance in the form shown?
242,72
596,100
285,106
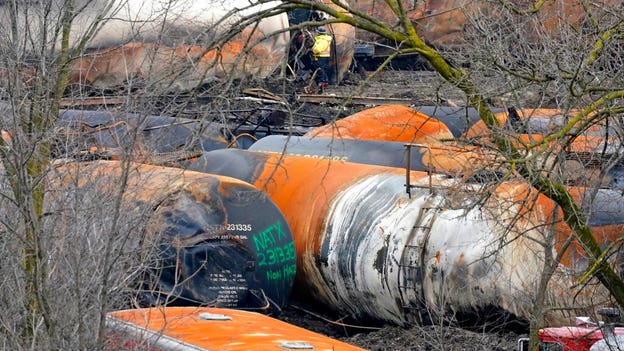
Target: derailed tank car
369,247
370,136
163,45
165,140
198,329
446,24
215,240
388,123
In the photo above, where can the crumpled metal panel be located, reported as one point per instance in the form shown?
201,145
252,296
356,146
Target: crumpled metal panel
221,242
149,138
366,248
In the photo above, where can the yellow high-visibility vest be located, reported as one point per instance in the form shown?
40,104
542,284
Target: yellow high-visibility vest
322,45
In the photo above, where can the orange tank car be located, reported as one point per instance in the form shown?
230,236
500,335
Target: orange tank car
195,329
473,162
389,123
211,240
585,154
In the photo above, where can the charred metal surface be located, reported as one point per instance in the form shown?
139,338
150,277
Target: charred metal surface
156,139
382,153
221,242
244,166
352,100
457,119
143,44
365,248
444,24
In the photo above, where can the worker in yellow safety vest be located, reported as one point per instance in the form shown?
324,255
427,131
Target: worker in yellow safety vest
321,51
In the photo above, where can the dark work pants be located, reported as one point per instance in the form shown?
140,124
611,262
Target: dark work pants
322,65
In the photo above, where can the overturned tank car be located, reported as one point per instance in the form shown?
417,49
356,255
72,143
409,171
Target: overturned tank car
210,240
164,140
371,247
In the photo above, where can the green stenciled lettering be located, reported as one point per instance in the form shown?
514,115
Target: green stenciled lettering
264,239
273,275
289,270
280,232
269,237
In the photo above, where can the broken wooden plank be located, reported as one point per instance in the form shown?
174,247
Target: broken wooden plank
265,95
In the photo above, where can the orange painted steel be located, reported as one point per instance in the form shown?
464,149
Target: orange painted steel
533,125
480,131
389,123
193,328
286,178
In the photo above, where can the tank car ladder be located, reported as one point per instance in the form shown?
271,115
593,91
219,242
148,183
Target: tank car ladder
412,261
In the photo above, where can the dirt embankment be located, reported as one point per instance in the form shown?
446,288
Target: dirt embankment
390,337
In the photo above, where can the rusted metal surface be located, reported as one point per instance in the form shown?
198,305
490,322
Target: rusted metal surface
220,241
364,247
194,329
389,123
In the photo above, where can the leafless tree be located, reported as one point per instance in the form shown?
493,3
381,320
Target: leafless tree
72,252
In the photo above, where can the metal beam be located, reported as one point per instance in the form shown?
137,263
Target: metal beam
352,100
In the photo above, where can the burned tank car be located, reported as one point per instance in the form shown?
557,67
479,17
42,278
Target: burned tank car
369,247
89,134
212,240
156,45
